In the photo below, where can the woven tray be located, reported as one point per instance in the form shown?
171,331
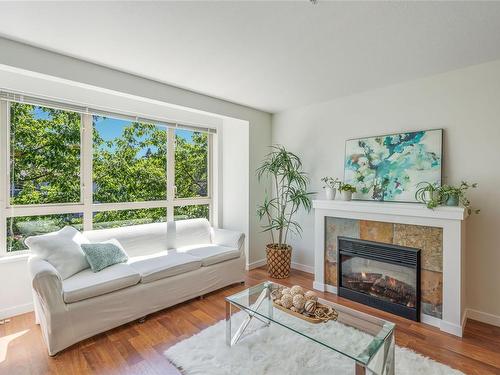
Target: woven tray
310,319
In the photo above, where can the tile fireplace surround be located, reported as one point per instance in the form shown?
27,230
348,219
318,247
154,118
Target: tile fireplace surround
440,233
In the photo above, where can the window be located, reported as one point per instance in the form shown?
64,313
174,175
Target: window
113,219
44,155
130,161
18,228
69,165
191,212
191,164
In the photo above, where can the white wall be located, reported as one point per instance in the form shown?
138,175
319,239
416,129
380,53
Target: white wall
466,103
39,72
15,293
235,177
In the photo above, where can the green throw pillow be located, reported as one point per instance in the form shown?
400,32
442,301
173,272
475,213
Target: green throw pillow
104,254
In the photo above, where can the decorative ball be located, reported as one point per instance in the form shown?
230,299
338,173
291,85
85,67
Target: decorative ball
310,306
287,301
310,295
285,291
276,295
293,308
299,301
296,289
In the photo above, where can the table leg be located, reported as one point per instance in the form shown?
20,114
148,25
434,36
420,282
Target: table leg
391,355
228,323
231,340
270,305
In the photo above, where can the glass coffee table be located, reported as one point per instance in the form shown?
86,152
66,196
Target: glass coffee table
374,353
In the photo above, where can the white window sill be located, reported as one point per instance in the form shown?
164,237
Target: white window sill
14,258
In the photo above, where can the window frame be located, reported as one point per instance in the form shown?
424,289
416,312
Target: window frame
86,204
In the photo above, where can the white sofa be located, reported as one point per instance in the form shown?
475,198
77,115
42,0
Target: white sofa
168,264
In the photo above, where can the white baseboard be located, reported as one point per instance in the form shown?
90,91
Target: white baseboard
318,286
451,328
16,310
302,267
256,264
483,317
430,320
324,287
331,289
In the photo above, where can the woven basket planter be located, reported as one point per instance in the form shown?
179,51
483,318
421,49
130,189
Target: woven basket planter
279,262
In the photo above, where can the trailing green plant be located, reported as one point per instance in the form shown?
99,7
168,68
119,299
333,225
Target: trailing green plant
346,187
427,194
459,192
440,195
290,185
330,182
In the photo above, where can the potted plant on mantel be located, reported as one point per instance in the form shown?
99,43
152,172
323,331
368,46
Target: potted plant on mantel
346,191
427,193
447,195
330,186
290,184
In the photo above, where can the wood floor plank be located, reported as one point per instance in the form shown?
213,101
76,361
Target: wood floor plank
137,348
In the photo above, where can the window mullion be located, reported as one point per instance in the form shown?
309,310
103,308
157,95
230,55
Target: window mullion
210,177
86,170
122,206
4,147
170,174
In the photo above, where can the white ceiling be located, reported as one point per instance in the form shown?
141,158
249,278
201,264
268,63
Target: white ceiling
267,55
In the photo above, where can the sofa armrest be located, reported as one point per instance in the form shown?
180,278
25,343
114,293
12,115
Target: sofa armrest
51,312
46,283
227,237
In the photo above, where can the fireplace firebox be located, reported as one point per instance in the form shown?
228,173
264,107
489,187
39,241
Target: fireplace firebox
384,276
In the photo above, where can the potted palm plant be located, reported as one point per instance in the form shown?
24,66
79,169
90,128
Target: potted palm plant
290,184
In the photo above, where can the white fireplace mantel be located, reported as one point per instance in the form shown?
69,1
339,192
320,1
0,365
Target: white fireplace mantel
451,219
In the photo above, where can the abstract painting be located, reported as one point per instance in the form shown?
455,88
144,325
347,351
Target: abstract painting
389,167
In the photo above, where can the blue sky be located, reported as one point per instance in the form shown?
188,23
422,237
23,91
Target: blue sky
40,114
109,128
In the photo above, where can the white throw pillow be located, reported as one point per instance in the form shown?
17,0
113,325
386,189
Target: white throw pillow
61,249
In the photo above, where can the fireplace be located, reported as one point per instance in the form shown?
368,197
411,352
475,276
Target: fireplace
380,275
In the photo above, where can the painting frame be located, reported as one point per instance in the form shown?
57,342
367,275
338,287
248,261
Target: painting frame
439,181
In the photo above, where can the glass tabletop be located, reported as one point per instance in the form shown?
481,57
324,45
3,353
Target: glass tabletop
354,334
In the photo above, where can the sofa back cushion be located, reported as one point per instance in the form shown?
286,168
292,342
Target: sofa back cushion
61,249
137,240
188,232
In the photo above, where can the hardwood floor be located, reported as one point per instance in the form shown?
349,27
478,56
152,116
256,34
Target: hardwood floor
137,348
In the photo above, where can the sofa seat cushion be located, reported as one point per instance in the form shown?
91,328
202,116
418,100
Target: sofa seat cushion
211,254
162,265
88,284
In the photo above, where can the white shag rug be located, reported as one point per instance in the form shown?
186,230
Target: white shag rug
275,350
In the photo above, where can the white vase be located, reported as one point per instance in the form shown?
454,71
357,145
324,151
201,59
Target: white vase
330,193
429,195
346,195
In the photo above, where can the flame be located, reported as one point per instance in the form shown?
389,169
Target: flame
363,275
